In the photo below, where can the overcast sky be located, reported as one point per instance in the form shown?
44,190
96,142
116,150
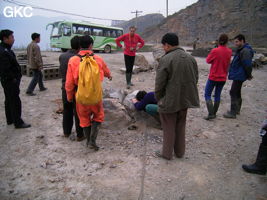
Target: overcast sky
111,9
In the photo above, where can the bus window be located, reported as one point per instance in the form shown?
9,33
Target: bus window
80,30
97,32
66,30
119,33
87,31
74,29
113,33
107,33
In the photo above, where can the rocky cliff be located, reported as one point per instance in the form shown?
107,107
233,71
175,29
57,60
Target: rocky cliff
142,22
207,19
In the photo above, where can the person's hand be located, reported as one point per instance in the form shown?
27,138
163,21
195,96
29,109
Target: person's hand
134,100
110,78
250,78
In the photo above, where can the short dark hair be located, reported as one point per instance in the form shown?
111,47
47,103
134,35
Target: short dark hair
132,27
35,35
140,95
171,39
223,39
75,42
240,37
5,33
86,41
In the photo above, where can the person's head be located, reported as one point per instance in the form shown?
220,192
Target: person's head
36,37
86,42
239,40
223,39
75,43
7,37
169,40
140,95
132,30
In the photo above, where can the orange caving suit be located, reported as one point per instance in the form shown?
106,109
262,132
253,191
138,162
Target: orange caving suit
86,113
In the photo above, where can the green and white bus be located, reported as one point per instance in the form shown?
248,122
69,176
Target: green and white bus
103,36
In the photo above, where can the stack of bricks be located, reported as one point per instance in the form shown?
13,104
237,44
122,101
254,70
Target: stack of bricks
50,71
22,60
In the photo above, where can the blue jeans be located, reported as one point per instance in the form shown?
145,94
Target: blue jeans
218,89
152,109
37,78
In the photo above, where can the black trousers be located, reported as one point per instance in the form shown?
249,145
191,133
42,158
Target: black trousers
69,109
129,63
235,91
12,101
264,140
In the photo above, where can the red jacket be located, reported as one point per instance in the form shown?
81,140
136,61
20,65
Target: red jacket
219,58
130,42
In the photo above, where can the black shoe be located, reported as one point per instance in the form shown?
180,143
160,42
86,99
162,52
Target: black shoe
30,93
9,123
23,125
43,89
254,169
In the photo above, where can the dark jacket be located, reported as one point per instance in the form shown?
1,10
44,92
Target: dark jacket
9,66
149,98
241,66
63,61
176,82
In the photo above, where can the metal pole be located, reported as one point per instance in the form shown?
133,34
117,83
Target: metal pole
136,16
167,8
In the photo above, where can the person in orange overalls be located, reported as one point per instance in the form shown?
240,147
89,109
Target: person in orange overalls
91,116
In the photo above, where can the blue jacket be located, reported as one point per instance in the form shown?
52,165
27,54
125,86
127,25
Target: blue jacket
149,98
241,66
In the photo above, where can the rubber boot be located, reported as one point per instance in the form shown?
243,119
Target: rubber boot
131,84
87,133
216,107
94,133
128,80
210,110
260,166
232,113
239,104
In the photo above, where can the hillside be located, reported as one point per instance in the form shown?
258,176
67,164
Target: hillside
207,19
143,22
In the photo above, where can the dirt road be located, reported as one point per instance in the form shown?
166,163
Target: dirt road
39,163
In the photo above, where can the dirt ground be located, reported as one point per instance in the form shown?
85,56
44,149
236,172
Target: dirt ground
39,163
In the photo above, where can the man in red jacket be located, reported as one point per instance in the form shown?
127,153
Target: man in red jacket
219,58
132,43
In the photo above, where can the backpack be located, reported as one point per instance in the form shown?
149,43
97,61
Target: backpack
89,90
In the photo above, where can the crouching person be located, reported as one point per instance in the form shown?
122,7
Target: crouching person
85,74
147,102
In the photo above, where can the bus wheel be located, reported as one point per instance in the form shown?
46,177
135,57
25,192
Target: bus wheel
64,50
107,49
